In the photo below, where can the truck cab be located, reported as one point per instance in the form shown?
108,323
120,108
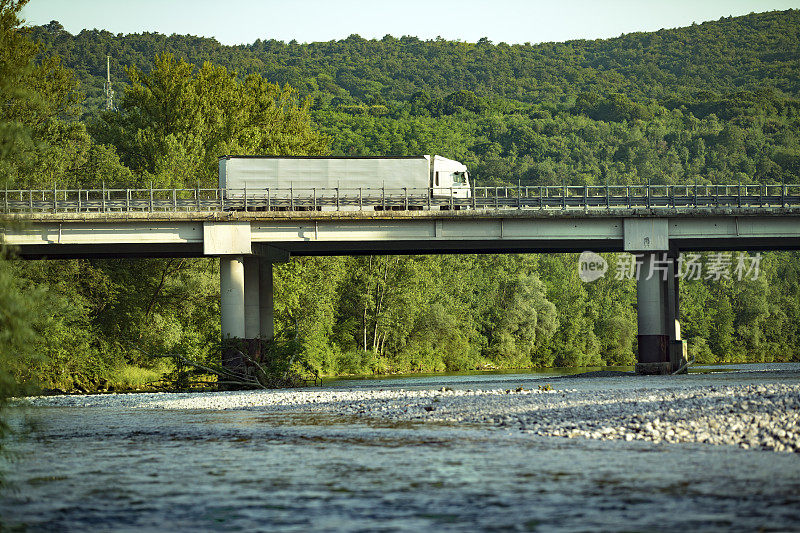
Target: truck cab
448,178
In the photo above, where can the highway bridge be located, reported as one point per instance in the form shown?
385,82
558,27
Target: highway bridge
252,230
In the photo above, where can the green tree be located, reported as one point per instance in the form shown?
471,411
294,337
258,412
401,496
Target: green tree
41,141
18,334
16,57
174,122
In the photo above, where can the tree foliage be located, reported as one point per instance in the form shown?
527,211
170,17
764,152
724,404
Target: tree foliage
715,102
175,121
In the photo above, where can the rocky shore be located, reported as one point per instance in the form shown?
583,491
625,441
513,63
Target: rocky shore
754,416
750,413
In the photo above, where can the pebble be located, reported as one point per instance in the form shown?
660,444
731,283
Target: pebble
763,417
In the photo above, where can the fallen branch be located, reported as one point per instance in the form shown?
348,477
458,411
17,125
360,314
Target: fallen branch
233,378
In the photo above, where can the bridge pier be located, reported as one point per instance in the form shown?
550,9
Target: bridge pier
249,316
252,318
246,306
661,350
232,296
232,307
265,299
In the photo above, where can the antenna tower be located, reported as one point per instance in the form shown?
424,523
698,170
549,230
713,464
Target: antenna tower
107,86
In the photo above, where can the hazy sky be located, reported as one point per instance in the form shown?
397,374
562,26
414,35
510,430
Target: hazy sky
511,21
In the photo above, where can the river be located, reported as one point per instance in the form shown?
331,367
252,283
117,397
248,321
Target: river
116,468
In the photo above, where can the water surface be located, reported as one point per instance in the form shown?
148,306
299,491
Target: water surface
114,469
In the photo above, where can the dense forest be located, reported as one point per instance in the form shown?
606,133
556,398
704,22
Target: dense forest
712,103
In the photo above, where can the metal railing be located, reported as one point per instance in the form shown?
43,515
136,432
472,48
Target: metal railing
588,197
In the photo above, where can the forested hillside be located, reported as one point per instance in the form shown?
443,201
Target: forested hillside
723,56
711,103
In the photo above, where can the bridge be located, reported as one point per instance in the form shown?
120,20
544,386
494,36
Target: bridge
250,231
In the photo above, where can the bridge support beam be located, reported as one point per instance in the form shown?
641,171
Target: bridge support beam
661,350
246,306
232,292
232,306
265,299
268,256
252,316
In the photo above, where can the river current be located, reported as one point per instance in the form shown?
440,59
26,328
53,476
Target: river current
111,469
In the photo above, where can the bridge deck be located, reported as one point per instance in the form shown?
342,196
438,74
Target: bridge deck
323,233
365,199
177,222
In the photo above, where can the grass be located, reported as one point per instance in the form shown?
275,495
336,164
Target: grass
135,377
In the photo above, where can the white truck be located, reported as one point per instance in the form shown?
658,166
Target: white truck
349,181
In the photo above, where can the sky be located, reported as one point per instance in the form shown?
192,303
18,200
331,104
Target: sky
511,21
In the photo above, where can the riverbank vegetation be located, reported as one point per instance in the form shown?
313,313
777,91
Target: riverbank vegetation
711,103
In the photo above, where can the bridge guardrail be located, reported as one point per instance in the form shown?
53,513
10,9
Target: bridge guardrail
493,197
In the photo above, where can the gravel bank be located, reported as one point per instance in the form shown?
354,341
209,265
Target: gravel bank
666,409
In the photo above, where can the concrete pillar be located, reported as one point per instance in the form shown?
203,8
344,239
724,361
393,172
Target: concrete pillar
265,303
661,349
231,275
673,302
652,295
252,321
678,353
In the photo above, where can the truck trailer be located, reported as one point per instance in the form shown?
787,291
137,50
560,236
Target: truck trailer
280,178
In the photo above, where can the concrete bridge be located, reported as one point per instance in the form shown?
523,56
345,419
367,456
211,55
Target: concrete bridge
250,234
